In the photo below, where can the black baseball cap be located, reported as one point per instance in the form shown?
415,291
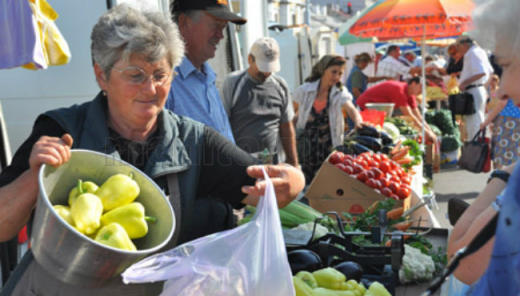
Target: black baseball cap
217,8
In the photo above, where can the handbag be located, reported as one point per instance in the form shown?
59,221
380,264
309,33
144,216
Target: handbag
474,153
462,104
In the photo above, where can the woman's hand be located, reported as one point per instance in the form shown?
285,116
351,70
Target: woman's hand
288,182
50,150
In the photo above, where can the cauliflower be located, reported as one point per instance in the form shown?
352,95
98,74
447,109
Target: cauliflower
416,266
320,229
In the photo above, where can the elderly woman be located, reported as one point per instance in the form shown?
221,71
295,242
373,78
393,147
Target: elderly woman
133,55
358,81
495,268
319,122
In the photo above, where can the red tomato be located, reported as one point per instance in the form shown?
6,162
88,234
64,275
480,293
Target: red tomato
395,179
336,157
347,161
406,180
394,186
370,174
404,192
384,182
357,169
394,164
349,170
363,163
373,164
384,157
362,176
387,191
340,166
378,191
348,156
371,183
378,184
385,166
395,197
376,157
377,173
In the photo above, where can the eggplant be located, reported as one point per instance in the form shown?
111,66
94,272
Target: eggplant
370,142
356,148
368,131
303,260
387,148
345,149
385,138
351,269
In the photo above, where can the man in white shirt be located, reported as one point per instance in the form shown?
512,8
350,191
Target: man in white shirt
475,73
390,66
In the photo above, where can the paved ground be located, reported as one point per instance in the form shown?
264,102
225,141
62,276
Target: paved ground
453,182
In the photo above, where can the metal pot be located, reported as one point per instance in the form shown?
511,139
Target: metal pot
73,257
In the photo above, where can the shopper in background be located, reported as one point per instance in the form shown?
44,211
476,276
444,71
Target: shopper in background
492,92
494,270
259,105
455,62
476,71
390,66
505,119
194,93
319,120
403,95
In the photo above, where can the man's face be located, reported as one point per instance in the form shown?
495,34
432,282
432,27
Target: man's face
463,47
396,53
202,36
415,88
255,72
410,57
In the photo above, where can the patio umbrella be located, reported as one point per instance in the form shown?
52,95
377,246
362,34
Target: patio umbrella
346,38
426,19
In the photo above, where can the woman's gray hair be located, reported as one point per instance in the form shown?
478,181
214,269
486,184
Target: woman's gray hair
123,30
498,19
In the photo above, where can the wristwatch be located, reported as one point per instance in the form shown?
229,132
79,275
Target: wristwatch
502,175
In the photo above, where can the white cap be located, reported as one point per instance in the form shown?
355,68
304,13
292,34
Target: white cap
267,54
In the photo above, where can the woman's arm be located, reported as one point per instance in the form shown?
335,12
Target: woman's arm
469,225
494,113
18,198
353,114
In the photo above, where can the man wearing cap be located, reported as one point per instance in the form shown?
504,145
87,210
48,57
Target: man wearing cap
193,92
259,106
476,71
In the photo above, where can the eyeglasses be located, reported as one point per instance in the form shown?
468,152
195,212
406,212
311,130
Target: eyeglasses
137,76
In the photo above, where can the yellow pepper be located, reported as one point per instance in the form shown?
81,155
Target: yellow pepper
131,217
86,212
114,235
329,278
307,278
80,188
324,292
117,191
64,213
301,288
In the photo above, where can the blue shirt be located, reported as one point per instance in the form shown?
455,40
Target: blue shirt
502,277
510,110
194,94
349,80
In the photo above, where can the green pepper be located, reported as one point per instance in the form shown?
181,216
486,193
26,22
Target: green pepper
329,278
80,188
308,278
324,292
131,217
117,191
114,235
64,213
86,212
301,288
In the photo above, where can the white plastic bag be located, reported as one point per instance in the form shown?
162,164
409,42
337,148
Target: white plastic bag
249,260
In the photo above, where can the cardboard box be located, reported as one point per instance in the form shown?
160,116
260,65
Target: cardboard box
334,190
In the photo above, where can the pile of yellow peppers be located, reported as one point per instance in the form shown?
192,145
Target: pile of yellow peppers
107,213
330,282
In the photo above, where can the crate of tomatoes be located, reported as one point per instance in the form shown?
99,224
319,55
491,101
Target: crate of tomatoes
349,183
